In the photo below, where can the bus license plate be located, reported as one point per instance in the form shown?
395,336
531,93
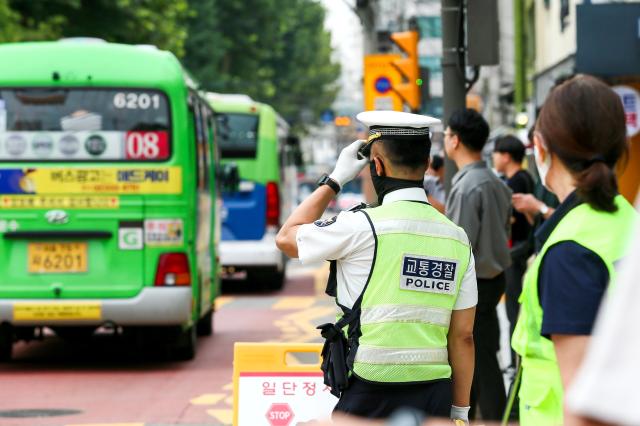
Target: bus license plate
25,311
52,258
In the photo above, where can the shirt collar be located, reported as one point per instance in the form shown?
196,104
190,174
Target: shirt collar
547,227
463,171
406,194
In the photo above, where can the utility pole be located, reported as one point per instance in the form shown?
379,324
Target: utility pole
365,9
520,84
453,68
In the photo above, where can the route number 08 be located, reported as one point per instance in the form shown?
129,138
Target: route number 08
123,100
142,145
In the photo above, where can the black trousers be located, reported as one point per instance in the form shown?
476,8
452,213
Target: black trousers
488,389
375,400
514,274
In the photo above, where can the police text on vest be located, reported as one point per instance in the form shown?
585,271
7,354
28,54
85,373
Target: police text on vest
428,274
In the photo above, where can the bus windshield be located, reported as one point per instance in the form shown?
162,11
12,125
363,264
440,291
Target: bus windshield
78,124
237,135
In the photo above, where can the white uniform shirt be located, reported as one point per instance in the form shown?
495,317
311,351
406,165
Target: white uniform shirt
349,240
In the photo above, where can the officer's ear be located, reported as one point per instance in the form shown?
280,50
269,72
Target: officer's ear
380,169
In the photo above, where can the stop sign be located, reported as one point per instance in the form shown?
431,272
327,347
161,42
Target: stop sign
279,414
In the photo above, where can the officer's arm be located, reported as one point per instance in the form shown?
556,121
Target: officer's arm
347,167
570,350
461,354
308,211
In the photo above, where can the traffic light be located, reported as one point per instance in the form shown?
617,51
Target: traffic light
408,90
424,75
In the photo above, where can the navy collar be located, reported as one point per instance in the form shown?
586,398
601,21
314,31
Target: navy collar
547,227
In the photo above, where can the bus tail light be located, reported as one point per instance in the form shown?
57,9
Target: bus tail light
273,204
173,270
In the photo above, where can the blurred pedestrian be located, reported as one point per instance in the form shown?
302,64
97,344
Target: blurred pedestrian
536,207
402,274
508,153
434,183
580,136
481,204
533,206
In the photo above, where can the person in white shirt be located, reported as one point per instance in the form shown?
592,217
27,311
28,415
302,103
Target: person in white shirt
605,390
369,251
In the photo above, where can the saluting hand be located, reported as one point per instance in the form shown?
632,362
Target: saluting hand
348,165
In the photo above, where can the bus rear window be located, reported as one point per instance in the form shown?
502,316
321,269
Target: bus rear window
237,135
84,125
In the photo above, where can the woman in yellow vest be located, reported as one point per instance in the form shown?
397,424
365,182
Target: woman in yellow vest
580,135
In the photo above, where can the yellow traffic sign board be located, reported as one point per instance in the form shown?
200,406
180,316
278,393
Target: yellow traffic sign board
380,77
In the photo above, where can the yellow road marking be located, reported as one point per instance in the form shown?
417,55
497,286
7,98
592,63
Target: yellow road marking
224,416
289,329
223,300
300,326
208,399
294,302
108,424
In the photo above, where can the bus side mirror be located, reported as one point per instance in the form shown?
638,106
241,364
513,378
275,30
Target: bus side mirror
229,177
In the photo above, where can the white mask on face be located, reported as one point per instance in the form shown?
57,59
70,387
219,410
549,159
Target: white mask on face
542,166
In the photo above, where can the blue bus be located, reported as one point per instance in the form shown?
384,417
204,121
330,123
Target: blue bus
254,137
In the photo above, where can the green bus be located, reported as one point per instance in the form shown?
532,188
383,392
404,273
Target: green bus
107,195
254,137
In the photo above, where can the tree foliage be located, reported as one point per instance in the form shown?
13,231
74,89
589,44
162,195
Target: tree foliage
9,27
158,22
276,51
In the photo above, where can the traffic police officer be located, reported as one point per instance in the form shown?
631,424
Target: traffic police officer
580,136
402,274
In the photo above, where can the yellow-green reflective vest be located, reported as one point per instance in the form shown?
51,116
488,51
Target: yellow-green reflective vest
606,234
420,260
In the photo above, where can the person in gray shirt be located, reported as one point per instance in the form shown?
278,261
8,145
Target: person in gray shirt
480,203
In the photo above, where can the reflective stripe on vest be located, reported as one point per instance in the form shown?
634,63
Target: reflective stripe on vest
375,355
421,227
607,235
420,260
407,313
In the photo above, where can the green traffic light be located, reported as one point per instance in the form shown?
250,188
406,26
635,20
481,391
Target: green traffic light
419,82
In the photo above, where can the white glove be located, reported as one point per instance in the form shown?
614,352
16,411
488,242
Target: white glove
459,414
348,165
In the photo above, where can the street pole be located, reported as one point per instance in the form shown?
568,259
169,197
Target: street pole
453,69
520,68
367,14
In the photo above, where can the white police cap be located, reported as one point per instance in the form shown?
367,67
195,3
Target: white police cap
395,124
396,120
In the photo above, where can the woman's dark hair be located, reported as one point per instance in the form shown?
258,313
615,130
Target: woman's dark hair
582,122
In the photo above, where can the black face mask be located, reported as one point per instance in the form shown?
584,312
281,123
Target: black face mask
384,185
